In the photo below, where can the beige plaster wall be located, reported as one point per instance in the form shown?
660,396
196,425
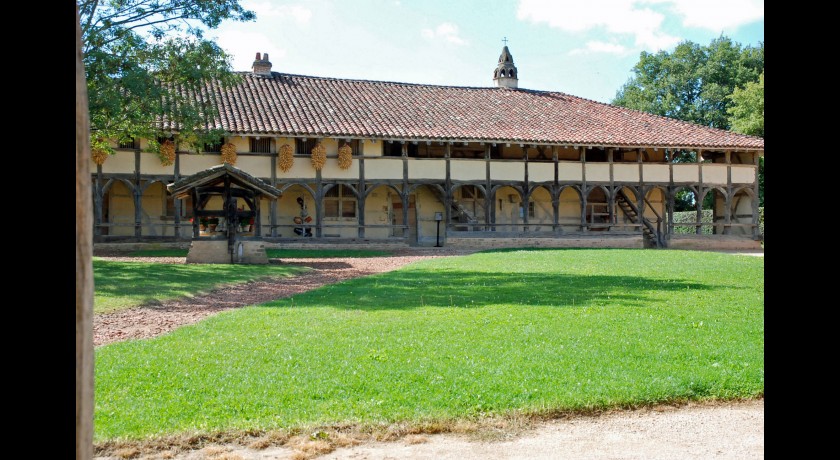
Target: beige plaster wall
541,172
656,173
371,147
505,170
621,172
255,165
686,172
331,170
150,164
714,174
378,212
743,174
598,172
656,199
426,169
468,169
383,168
570,171
569,210
426,205
120,162
194,162
301,169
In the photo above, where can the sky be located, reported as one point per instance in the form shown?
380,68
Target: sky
586,48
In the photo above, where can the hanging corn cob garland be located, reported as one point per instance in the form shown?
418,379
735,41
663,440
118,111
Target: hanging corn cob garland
319,156
286,159
167,153
345,156
229,154
98,155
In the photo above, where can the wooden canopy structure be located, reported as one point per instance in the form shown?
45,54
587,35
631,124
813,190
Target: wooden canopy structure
229,183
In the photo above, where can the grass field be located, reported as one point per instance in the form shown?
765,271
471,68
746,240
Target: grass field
528,331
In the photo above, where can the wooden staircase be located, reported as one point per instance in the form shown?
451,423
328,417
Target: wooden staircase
463,214
653,236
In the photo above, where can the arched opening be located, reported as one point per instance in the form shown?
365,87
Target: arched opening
714,203
656,208
118,210
540,212
568,211
508,204
296,213
383,213
467,208
341,212
741,212
597,210
685,220
424,201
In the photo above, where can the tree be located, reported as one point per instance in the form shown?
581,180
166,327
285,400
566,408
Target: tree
746,116
697,84
142,60
693,83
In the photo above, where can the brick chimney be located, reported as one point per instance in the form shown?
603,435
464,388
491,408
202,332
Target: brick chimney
262,66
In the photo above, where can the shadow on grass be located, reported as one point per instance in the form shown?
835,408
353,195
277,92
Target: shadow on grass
149,282
417,288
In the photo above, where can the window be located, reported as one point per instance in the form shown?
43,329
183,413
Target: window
413,150
339,201
392,149
215,147
305,147
261,145
131,143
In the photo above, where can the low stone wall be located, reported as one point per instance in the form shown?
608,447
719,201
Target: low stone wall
632,242
712,242
216,252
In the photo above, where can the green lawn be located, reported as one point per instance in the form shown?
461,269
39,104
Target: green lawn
536,331
121,285
276,253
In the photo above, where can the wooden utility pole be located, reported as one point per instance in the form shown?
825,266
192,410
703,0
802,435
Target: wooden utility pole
84,264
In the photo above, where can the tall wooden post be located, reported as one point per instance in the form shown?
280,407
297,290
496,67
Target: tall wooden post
84,264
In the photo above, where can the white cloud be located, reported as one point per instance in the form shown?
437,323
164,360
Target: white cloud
265,9
716,15
245,45
600,47
446,31
637,18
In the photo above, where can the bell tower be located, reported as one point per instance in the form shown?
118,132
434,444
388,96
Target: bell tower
506,75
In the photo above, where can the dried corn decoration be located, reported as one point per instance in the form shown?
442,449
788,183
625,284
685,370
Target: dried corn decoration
167,153
319,156
345,156
98,155
287,158
229,154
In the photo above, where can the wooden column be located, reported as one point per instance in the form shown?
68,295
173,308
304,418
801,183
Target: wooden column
756,203
84,264
555,196
272,209
526,191
641,198
362,191
319,208
447,205
699,228
98,196
611,201
175,201
669,157
727,214
489,202
583,195
138,197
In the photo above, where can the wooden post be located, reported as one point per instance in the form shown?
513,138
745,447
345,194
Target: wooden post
727,213
555,198
272,210
611,200
84,264
583,194
447,205
756,199
489,202
526,192
362,191
699,157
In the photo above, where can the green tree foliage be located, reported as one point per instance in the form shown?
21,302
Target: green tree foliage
142,59
746,115
692,83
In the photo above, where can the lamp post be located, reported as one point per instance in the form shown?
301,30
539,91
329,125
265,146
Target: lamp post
438,218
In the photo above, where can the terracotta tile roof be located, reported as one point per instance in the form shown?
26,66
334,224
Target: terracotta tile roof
298,105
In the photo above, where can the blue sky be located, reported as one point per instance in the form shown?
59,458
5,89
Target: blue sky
582,47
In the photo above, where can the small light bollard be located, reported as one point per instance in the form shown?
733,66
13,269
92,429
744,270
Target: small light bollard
438,218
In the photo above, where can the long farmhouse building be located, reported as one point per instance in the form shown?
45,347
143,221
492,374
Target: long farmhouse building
341,161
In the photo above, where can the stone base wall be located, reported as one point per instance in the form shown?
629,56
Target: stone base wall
713,242
633,242
216,252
